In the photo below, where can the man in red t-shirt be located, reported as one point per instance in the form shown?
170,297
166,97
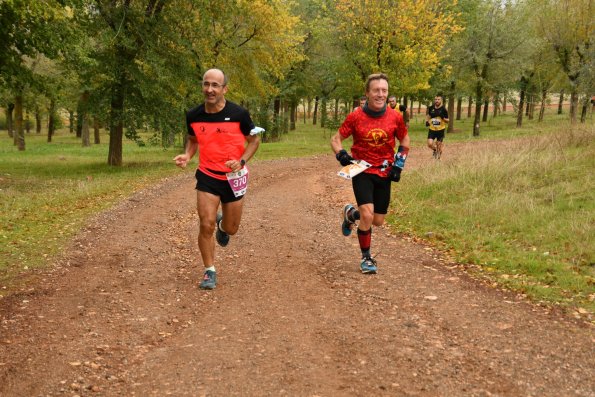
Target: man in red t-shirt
374,131
227,139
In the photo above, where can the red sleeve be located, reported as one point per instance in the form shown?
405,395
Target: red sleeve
346,129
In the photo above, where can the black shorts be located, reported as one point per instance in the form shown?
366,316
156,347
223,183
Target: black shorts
218,187
372,189
438,135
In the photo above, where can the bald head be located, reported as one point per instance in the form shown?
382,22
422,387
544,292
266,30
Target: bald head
216,75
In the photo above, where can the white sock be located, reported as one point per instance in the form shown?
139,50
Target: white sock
212,268
220,226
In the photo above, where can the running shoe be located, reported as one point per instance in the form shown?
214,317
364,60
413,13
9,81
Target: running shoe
221,237
368,265
209,280
347,225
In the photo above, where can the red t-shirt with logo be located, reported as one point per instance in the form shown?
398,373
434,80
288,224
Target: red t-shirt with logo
220,136
374,138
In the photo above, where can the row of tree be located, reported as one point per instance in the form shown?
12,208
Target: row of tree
136,65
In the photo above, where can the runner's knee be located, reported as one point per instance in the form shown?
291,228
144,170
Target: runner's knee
207,227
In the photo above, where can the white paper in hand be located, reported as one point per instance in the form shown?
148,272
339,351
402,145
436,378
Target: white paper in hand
351,170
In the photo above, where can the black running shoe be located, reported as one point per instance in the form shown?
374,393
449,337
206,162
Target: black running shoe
221,237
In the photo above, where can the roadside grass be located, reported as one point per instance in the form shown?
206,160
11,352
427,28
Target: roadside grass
524,211
50,190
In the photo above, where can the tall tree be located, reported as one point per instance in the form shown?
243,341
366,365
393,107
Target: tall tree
568,26
379,36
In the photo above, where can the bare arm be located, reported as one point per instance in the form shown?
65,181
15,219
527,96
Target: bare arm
251,148
405,142
336,143
191,148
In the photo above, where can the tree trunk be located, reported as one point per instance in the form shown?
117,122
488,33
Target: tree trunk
19,135
451,108
323,114
419,107
80,115
116,127
469,107
9,120
519,117
573,105
527,106
496,103
70,121
459,107
315,110
37,120
309,107
96,135
542,108
304,102
478,94
584,110
532,108
86,141
504,103
285,117
292,116
51,119
560,102
486,106
27,122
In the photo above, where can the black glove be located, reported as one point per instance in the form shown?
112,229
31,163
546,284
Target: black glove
395,173
343,157
427,123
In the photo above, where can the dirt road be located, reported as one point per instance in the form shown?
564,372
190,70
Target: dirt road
121,314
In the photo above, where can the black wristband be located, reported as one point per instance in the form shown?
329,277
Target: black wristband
242,162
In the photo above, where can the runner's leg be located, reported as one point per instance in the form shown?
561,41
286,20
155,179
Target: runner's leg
431,144
207,205
364,228
232,215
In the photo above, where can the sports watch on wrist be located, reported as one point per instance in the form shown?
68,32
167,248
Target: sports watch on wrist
242,162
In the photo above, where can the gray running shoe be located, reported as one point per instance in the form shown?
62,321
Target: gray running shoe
221,237
368,265
209,280
347,225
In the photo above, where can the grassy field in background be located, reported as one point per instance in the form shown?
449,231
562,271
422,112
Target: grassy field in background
472,208
524,211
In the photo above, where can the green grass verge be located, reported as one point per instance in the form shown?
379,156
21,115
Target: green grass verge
49,190
524,211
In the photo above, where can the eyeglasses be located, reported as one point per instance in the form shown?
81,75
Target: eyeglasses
215,86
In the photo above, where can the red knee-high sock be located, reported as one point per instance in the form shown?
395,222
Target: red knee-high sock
365,240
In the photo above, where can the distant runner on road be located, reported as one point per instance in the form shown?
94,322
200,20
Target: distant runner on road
436,120
227,139
374,131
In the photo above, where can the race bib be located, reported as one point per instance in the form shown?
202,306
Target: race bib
238,181
356,167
